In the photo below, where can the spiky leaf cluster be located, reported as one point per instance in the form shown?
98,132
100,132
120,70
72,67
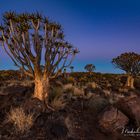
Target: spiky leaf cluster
33,41
129,62
89,67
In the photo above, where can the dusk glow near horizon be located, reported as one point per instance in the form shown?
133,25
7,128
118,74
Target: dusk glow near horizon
100,29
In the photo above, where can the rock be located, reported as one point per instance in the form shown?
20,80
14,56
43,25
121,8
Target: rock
2,93
108,85
107,92
93,85
67,86
58,130
69,120
97,104
15,89
111,120
89,95
123,90
75,127
78,91
131,107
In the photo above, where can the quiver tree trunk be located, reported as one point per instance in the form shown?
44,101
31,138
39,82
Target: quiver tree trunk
30,38
41,90
130,81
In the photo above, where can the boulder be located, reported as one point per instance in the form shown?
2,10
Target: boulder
107,92
97,104
15,89
93,85
123,90
111,120
131,107
58,130
78,91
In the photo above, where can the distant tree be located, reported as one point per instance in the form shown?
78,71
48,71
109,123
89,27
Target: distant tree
36,45
65,70
72,68
130,63
89,68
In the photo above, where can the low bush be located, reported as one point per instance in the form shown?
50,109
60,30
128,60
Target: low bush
55,92
58,103
22,122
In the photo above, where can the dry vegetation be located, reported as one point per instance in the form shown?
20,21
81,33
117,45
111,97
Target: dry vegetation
21,121
76,105
58,103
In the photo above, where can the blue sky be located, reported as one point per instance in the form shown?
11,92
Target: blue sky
101,29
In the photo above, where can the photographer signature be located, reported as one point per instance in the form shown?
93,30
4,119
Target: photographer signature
131,132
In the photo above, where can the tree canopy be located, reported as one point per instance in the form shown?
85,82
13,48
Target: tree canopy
33,41
89,67
129,62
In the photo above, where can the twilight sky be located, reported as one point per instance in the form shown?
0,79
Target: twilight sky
101,29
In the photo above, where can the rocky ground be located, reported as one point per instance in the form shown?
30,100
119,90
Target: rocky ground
98,114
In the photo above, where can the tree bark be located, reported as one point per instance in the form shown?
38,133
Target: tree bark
130,82
41,90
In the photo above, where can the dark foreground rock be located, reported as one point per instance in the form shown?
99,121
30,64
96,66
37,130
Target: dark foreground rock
131,107
111,120
76,121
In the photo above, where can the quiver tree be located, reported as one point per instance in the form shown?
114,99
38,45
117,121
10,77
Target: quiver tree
36,45
89,68
130,63
72,68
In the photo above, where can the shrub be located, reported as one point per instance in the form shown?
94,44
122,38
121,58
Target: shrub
56,98
58,103
70,80
21,121
55,93
70,89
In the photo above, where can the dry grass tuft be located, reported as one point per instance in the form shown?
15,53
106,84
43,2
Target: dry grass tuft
55,92
21,121
69,88
58,103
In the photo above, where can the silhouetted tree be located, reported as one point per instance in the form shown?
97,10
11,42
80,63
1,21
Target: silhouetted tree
130,63
65,73
36,45
89,68
72,68
65,70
